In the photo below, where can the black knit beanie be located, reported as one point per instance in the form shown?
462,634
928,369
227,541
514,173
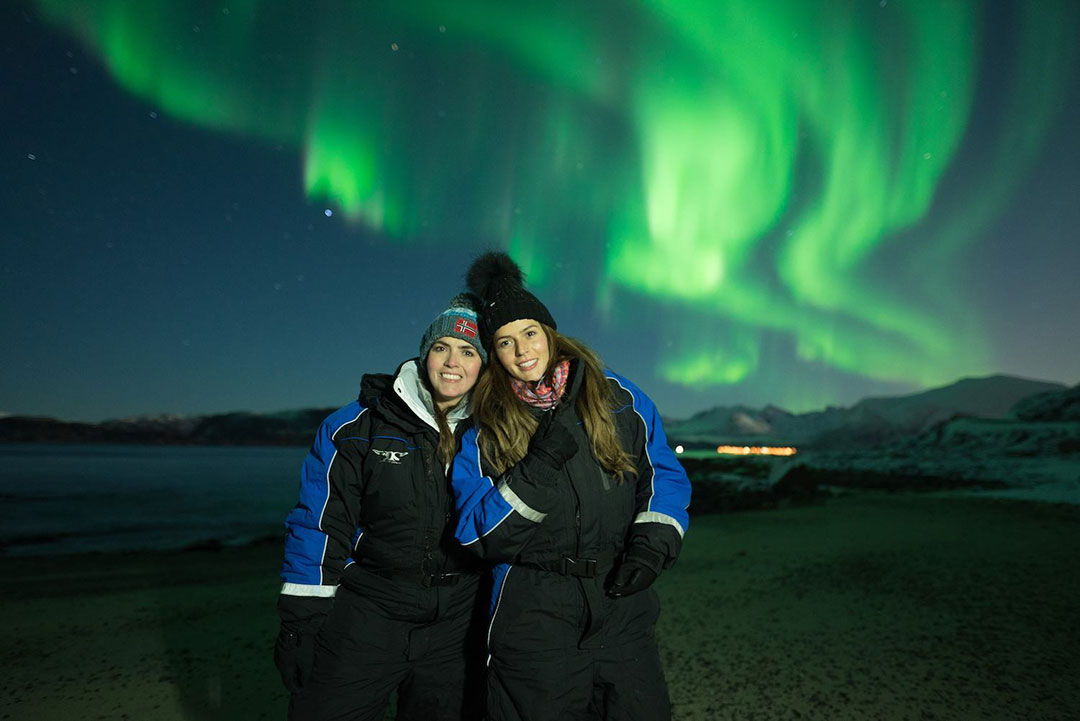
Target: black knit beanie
497,279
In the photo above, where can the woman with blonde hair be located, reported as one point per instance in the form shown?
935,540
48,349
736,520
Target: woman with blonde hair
565,481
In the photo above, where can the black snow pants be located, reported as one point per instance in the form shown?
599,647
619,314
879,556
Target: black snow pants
428,648
561,649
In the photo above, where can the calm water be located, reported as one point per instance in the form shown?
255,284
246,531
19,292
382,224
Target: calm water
59,498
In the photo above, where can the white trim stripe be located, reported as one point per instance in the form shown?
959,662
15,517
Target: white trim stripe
305,589
491,623
654,517
479,461
523,508
322,511
648,439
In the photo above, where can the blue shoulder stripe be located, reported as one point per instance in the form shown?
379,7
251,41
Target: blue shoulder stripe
480,508
305,540
670,487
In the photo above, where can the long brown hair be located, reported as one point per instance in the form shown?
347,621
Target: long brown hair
508,425
447,441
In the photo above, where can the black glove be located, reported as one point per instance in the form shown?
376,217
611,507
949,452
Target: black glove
294,649
630,577
639,568
552,443
294,654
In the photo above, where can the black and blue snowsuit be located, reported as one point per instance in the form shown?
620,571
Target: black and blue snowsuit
372,571
559,646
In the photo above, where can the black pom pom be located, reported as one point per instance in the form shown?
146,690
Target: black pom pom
490,267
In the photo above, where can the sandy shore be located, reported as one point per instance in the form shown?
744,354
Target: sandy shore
866,607
878,607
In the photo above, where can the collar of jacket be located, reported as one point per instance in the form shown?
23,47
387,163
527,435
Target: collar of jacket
411,389
573,383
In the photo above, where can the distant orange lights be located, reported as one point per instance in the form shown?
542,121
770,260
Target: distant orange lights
756,450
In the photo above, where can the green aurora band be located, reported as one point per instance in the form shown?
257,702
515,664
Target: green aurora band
755,169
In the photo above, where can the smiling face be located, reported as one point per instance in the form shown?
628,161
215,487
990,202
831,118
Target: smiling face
452,367
522,348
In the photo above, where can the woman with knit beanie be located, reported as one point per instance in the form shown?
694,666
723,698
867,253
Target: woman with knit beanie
377,595
565,481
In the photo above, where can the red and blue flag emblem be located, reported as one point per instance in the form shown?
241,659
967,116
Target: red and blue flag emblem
465,326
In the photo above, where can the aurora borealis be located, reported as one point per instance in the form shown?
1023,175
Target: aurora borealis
734,200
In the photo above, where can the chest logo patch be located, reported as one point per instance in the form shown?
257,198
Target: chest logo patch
391,456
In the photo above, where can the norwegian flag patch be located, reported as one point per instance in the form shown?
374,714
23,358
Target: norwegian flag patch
465,327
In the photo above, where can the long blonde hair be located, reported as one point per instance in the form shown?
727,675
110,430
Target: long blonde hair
508,425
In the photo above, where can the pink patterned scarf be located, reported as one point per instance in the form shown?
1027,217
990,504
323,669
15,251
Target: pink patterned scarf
544,396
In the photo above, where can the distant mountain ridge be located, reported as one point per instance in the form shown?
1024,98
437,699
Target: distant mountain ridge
285,428
871,421
1050,407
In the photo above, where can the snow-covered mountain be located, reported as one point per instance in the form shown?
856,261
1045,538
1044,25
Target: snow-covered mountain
871,421
1051,406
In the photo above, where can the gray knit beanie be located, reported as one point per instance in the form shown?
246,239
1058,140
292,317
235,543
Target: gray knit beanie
457,321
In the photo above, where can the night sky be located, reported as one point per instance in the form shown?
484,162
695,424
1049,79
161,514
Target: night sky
214,206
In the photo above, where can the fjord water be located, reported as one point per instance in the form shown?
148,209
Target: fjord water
71,498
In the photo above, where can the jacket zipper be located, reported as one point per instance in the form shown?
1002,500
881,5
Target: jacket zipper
577,515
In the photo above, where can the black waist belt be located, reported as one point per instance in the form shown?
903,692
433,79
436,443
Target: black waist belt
425,579
581,567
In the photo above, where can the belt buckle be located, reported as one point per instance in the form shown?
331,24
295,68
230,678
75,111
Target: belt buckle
440,579
581,567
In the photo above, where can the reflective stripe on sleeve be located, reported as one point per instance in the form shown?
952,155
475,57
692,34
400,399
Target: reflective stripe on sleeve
654,517
305,589
523,509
